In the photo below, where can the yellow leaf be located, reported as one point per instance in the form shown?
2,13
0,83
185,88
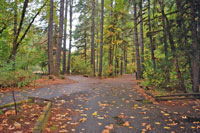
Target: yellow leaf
99,124
95,113
157,123
126,124
166,127
132,117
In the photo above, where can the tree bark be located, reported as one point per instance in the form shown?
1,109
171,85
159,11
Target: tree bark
150,38
60,36
136,43
195,60
70,39
110,53
97,35
92,39
85,47
165,41
17,31
141,38
101,41
50,40
65,38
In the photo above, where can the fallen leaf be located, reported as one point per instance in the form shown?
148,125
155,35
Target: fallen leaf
10,112
172,124
82,120
99,124
48,129
84,115
18,132
126,124
157,123
166,114
106,131
166,127
95,113
110,127
148,127
144,124
11,127
17,125
100,118
146,117
1,128
27,123
63,131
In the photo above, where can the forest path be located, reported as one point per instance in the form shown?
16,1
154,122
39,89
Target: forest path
111,104
114,105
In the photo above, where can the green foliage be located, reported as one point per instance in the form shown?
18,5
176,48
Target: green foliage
1,112
79,66
17,77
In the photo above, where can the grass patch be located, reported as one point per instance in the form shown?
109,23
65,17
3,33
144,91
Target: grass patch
54,127
1,113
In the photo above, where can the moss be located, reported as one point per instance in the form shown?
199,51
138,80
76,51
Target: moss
1,113
42,120
18,103
53,128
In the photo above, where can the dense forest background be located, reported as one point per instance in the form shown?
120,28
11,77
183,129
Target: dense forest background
159,40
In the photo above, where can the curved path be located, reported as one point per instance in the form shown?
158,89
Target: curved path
110,102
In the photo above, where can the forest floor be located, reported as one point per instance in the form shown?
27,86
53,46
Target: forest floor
114,105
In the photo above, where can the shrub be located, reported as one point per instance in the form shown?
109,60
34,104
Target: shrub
14,78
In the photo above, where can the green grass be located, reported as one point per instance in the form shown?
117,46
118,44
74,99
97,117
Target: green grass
53,128
1,112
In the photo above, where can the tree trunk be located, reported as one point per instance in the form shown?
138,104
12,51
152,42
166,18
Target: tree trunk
173,49
195,60
165,42
60,36
150,38
65,38
15,28
141,39
92,39
85,47
50,40
125,58
101,41
17,32
70,39
136,44
110,54
17,43
121,67
97,35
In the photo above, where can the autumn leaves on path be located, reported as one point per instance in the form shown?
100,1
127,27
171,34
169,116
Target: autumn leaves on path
114,105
